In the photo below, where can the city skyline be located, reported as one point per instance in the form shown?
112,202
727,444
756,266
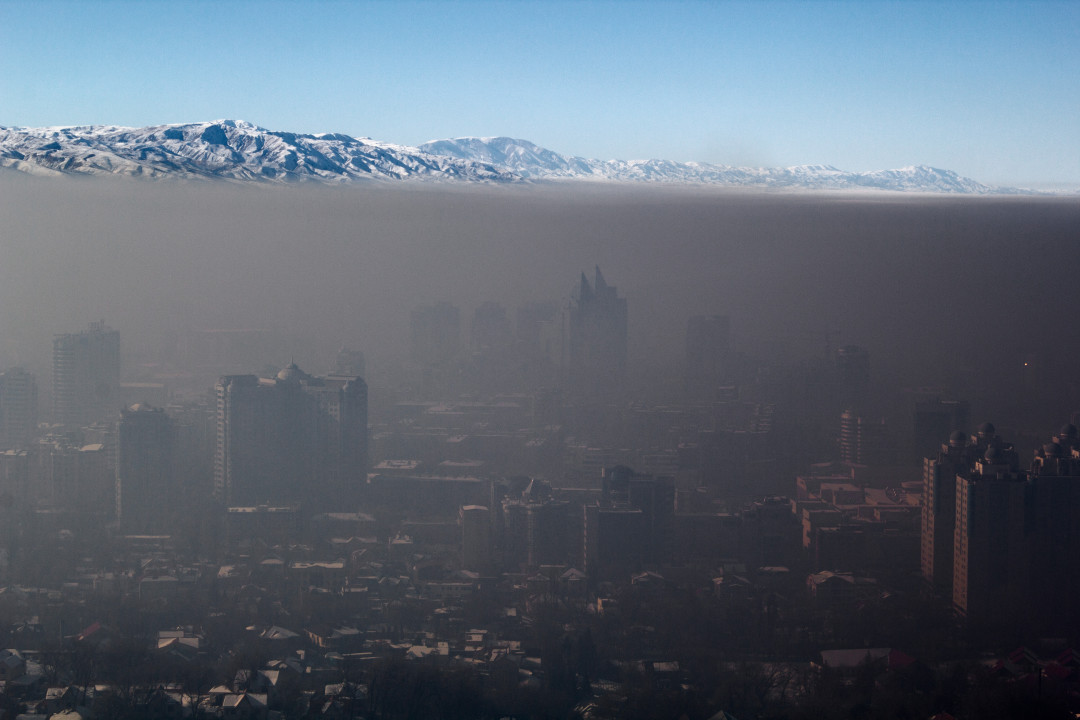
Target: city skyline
283,435
983,89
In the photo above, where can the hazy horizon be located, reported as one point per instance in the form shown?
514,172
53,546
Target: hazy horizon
856,492
932,286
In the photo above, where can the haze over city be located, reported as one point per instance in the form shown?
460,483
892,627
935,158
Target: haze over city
917,280
325,393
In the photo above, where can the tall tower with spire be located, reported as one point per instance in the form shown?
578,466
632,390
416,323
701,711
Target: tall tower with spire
597,335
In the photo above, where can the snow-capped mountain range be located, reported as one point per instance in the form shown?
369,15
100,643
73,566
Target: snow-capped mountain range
226,149
240,151
533,162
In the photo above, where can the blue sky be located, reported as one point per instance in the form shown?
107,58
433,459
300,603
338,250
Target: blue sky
988,89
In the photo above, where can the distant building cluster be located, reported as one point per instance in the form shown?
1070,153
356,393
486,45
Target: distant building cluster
289,440
513,455
505,491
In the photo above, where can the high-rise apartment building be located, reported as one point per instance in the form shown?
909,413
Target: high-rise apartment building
1016,550
18,408
992,538
967,490
74,478
86,375
957,458
865,442
475,538
1054,513
146,490
293,438
632,527
536,528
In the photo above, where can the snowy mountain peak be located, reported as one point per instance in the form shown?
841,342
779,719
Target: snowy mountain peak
226,149
243,151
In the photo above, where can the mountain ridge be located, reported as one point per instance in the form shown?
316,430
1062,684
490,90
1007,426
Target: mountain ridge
225,149
534,162
240,151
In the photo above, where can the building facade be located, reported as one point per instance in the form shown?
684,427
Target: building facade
293,438
632,527
18,408
1016,540
957,458
146,490
86,375
475,538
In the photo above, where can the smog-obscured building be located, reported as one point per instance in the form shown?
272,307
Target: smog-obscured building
598,335
18,408
86,375
293,438
146,490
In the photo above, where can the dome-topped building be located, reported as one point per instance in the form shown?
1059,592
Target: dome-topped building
291,439
290,372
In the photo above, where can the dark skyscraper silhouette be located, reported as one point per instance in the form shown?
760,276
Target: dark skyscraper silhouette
598,331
